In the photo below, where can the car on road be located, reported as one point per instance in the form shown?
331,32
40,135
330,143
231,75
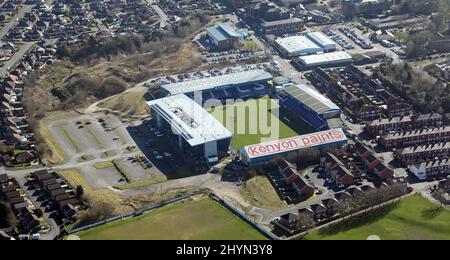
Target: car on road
81,127
159,157
115,138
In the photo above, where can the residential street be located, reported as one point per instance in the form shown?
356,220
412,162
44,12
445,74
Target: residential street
27,46
164,18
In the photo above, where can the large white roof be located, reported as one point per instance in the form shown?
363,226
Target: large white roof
326,58
321,39
189,120
235,78
298,45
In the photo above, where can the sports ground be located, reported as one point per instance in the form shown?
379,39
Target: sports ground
414,218
254,121
198,219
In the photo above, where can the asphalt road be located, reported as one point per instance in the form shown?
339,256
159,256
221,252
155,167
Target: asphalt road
7,65
163,16
27,45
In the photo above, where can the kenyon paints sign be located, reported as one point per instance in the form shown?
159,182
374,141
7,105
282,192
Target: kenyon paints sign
295,143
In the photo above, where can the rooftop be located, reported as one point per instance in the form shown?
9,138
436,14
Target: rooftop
298,44
321,39
415,133
279,22
235,78
190,120
434,164
326,58
222,32
426,148
311,98
388,121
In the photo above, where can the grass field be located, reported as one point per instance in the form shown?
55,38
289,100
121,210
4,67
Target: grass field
260,192
252,122
198,219
131,102
414,218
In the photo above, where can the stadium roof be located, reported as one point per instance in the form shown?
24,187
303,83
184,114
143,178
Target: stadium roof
311,98
326,58
321,39
189,120
235,78
298,44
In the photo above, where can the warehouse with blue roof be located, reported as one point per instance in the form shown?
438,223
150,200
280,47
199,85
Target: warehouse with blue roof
308,104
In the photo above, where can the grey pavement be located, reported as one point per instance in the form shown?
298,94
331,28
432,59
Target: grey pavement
7,65
163,16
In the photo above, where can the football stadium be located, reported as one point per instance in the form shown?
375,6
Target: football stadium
247,111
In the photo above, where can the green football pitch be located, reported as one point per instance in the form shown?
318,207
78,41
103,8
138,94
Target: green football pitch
256,121
198,219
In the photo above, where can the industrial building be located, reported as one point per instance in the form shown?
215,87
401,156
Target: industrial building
297,46
225,86
224,36
308,104
291,25
322,41
260,154
324,60
191,128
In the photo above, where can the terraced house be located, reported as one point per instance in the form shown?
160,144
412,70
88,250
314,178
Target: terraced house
422,153
416,137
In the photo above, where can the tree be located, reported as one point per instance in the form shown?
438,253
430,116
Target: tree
79,191
304,222
7,218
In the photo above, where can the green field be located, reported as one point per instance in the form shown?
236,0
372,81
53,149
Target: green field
201,219
414,218
252,122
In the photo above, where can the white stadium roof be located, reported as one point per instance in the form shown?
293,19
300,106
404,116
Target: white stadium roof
297,45
236,78
189,120
326,58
